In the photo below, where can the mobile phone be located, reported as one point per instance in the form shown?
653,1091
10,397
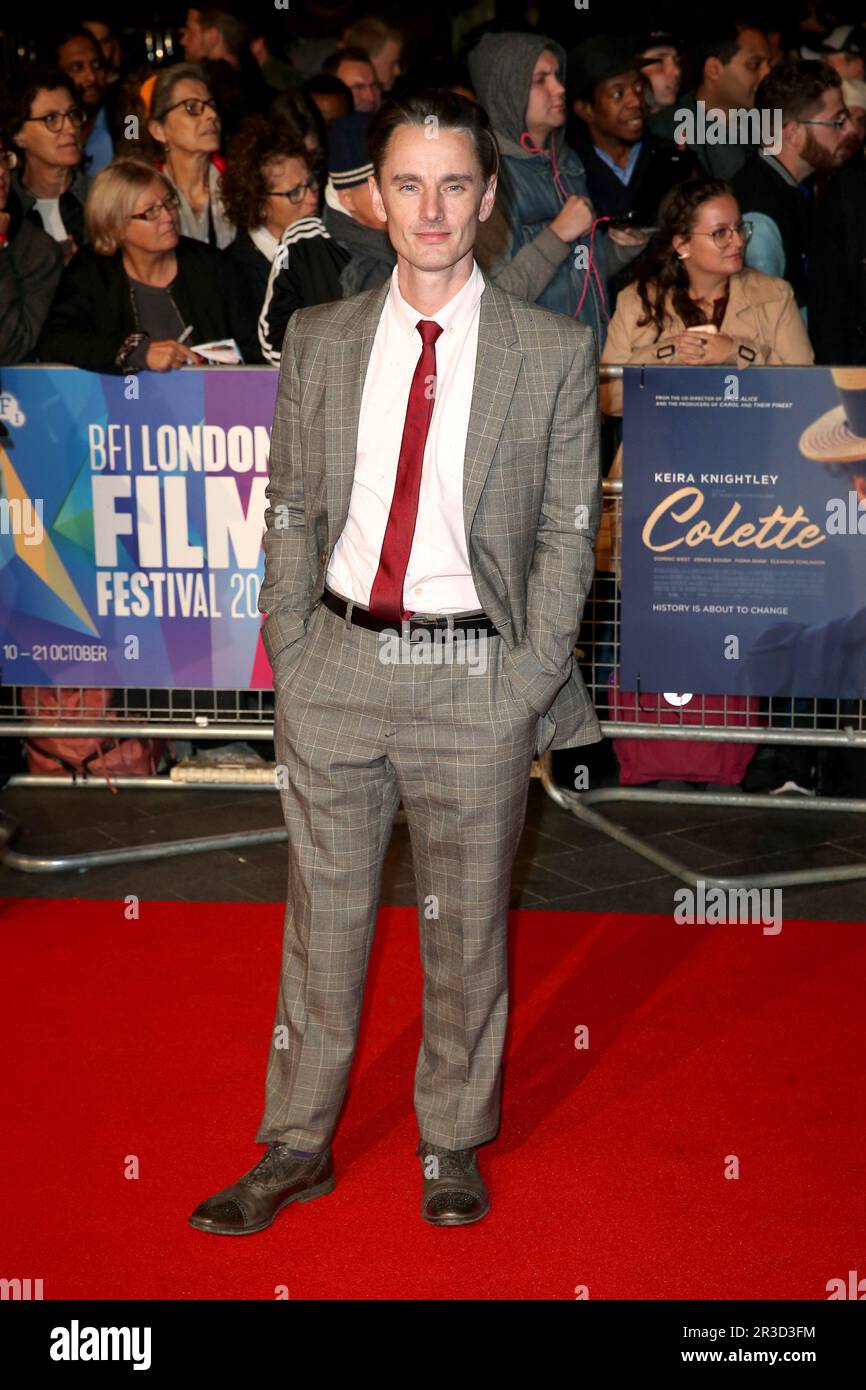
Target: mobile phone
627,222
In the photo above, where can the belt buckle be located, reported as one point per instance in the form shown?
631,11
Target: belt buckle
429,619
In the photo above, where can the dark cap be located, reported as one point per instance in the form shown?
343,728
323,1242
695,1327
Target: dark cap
657,38
598,59
349,160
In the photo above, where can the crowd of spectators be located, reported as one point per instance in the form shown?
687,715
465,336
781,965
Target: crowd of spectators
207,193
148,208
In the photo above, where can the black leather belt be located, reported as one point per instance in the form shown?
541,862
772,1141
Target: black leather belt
362,617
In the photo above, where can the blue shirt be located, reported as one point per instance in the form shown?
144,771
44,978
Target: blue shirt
623,174
99,144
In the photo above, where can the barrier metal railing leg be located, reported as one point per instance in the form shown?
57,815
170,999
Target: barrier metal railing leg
579,804
126,854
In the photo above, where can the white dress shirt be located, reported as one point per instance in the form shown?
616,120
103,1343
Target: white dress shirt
438,577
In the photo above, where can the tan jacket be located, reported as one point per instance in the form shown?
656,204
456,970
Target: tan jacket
768,331
762,318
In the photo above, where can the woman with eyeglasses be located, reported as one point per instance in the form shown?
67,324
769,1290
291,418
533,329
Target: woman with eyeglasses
184,138
271,182
44,121
142,295
695,303
30,266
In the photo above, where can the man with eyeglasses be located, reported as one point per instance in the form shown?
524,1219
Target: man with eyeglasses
776,191
353,66
45,121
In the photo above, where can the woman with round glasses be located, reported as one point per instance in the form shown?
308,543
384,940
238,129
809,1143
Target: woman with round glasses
184,138
271,182
44,121
141,295
695,303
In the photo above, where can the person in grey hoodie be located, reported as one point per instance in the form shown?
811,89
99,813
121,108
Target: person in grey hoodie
541,242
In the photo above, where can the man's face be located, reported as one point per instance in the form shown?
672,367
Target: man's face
192,37
826,147
363,83
387,64
617,108
545,109
331,106
663,70
358,202
858,116
850,66
81,60
739,79
431,194
104,38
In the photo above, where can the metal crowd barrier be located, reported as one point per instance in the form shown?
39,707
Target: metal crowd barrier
245,715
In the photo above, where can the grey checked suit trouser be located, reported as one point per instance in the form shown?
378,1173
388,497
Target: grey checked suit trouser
357,733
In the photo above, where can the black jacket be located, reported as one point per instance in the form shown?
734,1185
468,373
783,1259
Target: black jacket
93,313
71,206
30,267
306,270
251,266
837,300
760,187
658,168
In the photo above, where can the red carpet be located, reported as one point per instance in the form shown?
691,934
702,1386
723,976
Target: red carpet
149,1038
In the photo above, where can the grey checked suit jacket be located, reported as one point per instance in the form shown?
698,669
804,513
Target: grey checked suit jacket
531,485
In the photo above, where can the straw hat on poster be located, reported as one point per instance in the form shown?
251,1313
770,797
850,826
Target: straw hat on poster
839,435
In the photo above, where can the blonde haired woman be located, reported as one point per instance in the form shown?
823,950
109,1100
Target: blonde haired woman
140,293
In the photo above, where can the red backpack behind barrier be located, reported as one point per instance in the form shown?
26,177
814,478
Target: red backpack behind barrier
83,756
682,759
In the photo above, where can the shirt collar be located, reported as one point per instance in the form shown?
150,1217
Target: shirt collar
265,241
453,316
779,167
623,172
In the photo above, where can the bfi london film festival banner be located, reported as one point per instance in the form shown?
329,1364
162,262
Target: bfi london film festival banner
744,531
131,529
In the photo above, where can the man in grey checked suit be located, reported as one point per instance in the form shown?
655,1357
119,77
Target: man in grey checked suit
500,425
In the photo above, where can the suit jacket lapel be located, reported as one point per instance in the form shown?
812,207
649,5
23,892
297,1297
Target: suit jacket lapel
497,367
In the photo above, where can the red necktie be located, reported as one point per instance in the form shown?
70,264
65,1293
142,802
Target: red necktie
386,595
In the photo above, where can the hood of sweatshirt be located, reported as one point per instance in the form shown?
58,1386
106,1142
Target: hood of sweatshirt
501,67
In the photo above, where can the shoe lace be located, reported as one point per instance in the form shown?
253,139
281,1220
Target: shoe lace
453,1163
272,1164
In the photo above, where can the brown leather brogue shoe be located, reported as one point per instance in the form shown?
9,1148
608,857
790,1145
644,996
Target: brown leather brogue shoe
251,1203
454,1192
